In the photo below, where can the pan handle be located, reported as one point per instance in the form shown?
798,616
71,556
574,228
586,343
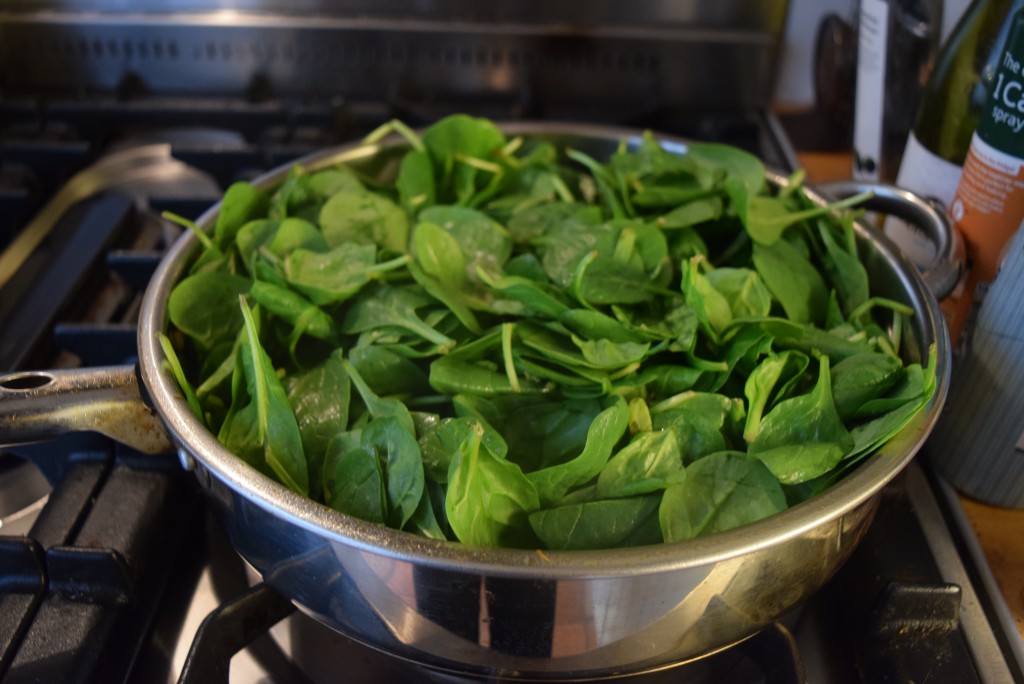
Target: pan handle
943,273
38,405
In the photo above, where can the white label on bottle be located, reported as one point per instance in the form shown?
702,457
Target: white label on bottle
925,173
872,38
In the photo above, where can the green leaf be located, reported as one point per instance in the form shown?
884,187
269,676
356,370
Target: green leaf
276,428
722,491
769,382
379,407
651,461
204,306
601,524
489,498
703,422
391,306
416,187
788,433
858,379
242,202
364,217
358,485
605,431
793,281
335,276
396,448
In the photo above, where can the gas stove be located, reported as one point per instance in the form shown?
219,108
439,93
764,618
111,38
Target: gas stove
112,567
107,547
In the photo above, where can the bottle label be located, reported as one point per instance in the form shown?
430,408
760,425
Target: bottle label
989,203
1002,125
872,40
927,174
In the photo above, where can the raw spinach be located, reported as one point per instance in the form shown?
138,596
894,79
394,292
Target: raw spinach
721,491
396,448
803,437
204,306
505,343
277,437
602,524
489,498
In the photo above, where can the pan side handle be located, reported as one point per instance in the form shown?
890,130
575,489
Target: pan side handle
38,405
944,272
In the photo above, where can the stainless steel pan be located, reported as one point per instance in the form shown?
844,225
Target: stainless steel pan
501,612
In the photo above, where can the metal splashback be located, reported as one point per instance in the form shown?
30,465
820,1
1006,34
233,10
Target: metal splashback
530,58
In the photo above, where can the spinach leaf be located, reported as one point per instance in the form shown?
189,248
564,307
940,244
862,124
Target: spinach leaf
718,160
722,491
277,431
858,379
767,383
767,217
744,291
603,280
336,275
690,212
914,393
387,372
454,143
301,313
252,237
537,298
440,443
793,281
415,182
439,254
357,487
204,306
328,182
179,376
296,233
424,520
803,437
809,339
710,306
601,524
242,202
396,448
604,433
320,399
379,407
702,422
843,267
484,242
450,375
393,306
489,498
364,217
650,462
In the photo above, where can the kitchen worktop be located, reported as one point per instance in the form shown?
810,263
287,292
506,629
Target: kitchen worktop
1000,531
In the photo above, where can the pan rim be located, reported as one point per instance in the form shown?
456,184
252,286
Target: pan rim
846,497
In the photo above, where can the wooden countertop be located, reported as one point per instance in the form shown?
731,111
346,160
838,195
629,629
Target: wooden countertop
1000,531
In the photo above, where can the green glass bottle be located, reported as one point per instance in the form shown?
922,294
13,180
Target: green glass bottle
953,97
896,43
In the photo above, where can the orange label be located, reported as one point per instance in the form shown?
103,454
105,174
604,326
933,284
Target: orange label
988,205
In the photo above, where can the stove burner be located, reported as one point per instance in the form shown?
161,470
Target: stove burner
770,656
23,492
